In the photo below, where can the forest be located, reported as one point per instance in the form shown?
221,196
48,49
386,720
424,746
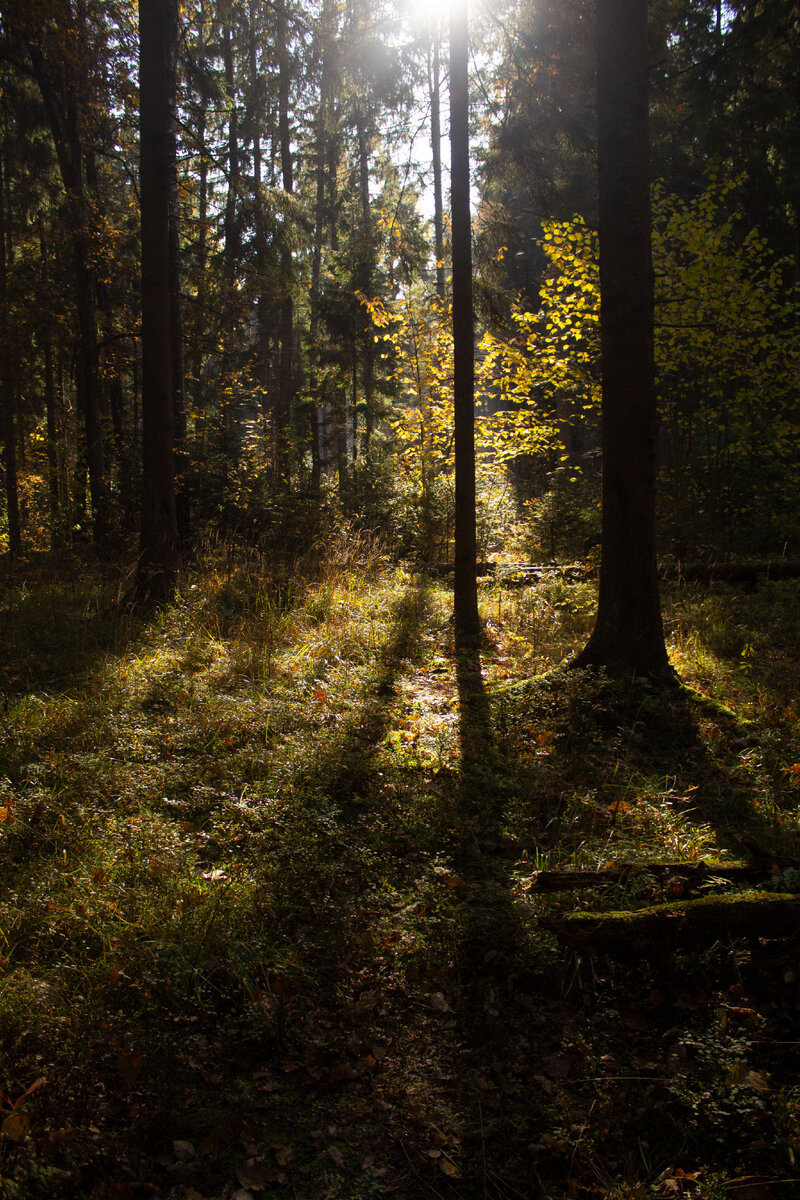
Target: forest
399,601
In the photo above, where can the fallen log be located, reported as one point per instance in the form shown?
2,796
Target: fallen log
690,874
746,573
517,574
662,928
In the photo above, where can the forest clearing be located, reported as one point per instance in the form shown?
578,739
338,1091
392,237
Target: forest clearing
399,600
270,909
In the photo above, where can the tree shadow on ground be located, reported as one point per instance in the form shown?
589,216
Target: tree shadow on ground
559,1066
408,1029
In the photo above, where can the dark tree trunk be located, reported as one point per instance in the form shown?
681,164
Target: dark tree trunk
322,160
177,343
231,226
50,403
365,284
436,146
465,585
263,358
628,635
158,28
63,114
7,393
284,404
194,365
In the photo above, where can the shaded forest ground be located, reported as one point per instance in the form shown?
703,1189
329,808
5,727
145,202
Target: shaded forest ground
267,906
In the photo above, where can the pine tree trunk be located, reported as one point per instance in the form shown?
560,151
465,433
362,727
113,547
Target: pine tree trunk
465,589
64,119
365,284
7,393
284,404
158,24
436,146
628,635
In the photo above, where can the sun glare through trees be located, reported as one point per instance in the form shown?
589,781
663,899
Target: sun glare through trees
399,600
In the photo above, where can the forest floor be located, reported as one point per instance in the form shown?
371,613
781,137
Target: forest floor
269,915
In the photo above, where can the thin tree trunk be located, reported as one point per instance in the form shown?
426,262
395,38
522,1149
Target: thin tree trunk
158,25
177,345
230,224
284,404
50,403
194,366
365,282
465,588
263,304
7,391
63,118
436,146
325,100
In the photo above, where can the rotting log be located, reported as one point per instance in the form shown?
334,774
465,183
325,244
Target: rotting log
688,874
662,928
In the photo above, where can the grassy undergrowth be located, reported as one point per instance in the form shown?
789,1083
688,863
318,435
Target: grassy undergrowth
267,916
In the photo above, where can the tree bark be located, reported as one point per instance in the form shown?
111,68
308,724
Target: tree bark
326,90
284,404
436,147
63,108
628,635
46,340
87,379
465,588
158,27
194,363
365,283
7,392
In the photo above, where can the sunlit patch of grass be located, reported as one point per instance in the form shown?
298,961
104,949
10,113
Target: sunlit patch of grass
269,820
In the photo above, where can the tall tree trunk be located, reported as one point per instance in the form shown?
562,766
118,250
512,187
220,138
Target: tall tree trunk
365,282
436,147
318,431
177,343
194,365
64,106
263,358
158,35
232,244
230,222
50,401
628,635
7,391
465,590
284,404
63,118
